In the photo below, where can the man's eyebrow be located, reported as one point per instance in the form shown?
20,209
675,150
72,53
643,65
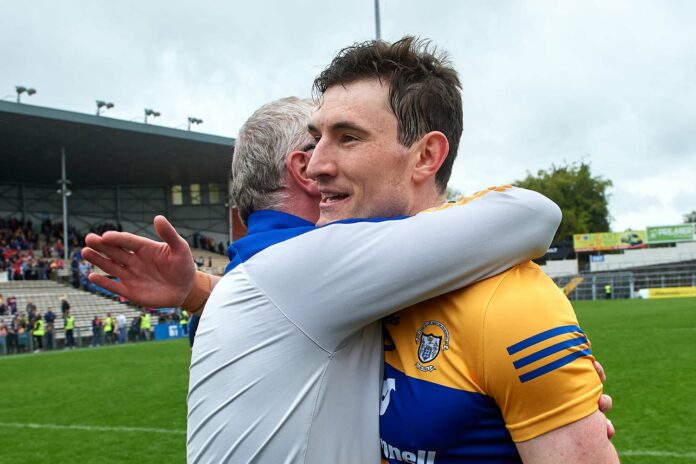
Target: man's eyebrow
348,125
340,125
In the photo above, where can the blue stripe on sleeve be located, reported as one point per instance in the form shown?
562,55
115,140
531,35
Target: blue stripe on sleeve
554,365
549,351
543,336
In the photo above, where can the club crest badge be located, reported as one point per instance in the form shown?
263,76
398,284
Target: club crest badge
429,347
431,343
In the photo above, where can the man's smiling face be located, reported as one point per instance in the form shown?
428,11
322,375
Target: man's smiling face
361,168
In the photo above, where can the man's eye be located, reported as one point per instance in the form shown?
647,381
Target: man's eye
345,138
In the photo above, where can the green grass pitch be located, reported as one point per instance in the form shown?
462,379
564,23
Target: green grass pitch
126,404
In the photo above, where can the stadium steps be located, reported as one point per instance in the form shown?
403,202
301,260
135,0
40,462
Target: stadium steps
84,306
219,262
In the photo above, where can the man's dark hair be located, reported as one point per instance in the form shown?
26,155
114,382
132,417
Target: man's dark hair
424,89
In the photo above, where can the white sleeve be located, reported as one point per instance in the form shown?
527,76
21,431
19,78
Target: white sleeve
339,278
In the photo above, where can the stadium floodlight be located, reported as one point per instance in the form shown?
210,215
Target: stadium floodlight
153,113
20,89
192,120
102,104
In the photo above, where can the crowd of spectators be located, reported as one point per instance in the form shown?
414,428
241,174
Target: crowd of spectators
17,326
29,253
24,330
26,254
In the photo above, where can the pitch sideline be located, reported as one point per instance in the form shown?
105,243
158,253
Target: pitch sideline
96,428
658,454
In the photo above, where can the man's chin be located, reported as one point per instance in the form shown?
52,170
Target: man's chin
334,211
333,216
326,219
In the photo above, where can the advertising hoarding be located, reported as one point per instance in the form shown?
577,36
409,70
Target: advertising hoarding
671,234
610,240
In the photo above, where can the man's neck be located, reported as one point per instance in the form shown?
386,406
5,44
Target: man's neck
301,205
429,200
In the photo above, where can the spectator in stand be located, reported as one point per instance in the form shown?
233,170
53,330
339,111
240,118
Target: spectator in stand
97,327
30,309
75,272
121,326
50,318
69,324
109,329
38,332
3,336
145,325
183,320
12,329
84,273
3,307
24,269
12,305
43,269
17,270
135,329
53,267
64,305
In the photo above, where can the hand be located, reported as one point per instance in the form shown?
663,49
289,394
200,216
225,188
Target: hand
605,401
151,273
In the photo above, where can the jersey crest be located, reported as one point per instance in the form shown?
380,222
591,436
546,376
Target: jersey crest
429,347
430,344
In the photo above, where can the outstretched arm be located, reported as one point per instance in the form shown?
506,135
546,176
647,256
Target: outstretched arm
157,274
371,269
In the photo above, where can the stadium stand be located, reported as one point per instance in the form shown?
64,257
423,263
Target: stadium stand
560,268
628,282
646,257
83,305
208,261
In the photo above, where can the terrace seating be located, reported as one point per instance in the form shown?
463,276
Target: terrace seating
83,305
219,262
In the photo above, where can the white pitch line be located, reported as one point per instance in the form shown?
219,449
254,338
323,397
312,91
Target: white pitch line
94,428
658,454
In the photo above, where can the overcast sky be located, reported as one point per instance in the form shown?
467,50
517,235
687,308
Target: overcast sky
611,83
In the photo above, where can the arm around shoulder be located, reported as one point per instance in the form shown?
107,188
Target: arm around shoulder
538,216
198,296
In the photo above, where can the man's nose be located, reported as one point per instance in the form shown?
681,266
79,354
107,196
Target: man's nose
322,162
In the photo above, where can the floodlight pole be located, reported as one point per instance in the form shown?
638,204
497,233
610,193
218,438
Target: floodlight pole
20,89
64,194
193,120
378,28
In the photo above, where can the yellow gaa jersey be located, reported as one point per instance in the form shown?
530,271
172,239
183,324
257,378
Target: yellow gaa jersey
469,373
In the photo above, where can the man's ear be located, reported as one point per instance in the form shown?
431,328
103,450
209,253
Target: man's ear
297,162
432,149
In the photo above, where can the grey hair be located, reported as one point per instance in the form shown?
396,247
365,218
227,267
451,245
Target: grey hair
258,165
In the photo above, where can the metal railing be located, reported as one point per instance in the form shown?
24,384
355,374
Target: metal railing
626,284
83,337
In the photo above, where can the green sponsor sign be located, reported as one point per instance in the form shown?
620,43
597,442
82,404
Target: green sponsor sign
665,234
